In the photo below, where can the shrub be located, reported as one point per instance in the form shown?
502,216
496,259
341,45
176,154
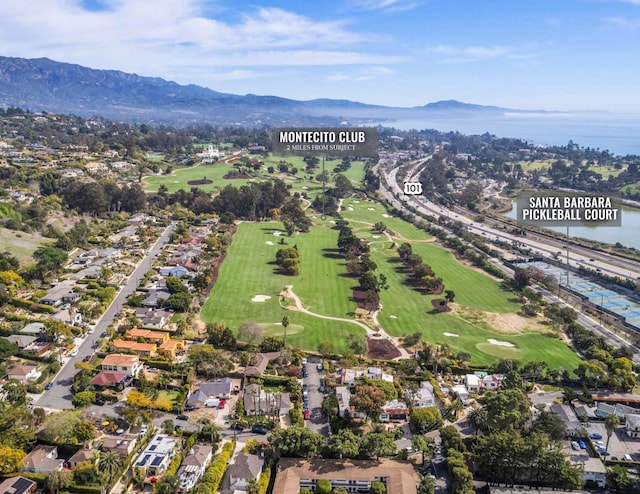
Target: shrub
213,475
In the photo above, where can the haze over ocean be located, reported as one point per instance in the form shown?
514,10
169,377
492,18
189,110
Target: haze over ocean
620,134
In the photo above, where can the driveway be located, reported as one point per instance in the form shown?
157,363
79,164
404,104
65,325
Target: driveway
317,422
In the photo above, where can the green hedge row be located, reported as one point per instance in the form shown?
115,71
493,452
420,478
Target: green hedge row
213,475
263,482
172,469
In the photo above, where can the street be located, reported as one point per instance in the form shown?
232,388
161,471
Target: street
59,397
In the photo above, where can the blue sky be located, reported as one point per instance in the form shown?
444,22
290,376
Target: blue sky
540,54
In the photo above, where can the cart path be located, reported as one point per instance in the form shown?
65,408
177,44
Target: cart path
380,332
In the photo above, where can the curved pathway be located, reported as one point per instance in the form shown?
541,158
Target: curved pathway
379,333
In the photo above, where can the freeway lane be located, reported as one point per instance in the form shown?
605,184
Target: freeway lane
59,397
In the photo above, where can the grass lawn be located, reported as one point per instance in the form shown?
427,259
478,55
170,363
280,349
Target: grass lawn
362,213
179,178
248,271
406,311
21,244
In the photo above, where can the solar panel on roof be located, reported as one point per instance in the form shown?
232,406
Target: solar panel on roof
21,485
153,447
156,461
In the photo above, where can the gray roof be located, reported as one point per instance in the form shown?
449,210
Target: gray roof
33,328
246,466
217,387
197,397
567,415
21,340
198,456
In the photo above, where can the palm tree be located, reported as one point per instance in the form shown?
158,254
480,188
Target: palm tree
478,419
611,423
455,407
110,463
285,323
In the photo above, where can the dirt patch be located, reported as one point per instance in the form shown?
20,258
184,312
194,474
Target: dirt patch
440,305
204,181
381,349
514,323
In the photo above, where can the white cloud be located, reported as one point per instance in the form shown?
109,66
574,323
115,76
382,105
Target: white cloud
386,5
364,74
624,23
178,39
454,54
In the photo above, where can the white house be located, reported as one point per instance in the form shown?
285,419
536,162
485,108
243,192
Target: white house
122,363
23,373
423,397
245,468
193,466
492,382
632,424
473,383
157,456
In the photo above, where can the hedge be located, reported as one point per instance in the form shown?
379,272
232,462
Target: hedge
172,469
84,489
263,482
213,475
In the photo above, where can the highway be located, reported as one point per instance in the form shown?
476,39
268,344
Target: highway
596,260
59,397
537,247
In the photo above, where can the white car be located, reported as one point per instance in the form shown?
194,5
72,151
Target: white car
74,352
91,330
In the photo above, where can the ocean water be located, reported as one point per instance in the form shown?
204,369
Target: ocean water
620,134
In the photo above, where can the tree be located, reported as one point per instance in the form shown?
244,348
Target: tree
451,439
174,285
296,442
326,348
49,259
323,486
10,460
220,336
478,420
357,344
512,380
423,444
110,463
507,410
449,295
57,480
611,423
138,399
377,488
249,332
285,324
423,420
377,444
168,484
85,431
83,399
179,302
272,344
344,444
427,485
168,426
368,400
551,424
208,360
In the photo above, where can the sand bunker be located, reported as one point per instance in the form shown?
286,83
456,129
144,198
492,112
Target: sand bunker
387,216
350,208
356,202
269,242
277,233
305,187
393,317
331,221
375,236
371,209
260,298
454,335
500,343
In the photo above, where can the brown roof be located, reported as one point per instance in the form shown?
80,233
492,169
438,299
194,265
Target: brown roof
119,443
260,366
108,378
21,370
83,455
120,360
246,466
41,459
198,456
401,477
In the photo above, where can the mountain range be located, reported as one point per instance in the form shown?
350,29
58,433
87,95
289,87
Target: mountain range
45,85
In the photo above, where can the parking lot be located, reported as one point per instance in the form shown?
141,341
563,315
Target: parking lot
620,444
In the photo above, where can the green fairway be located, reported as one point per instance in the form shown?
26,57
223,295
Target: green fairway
248,270
363,213
179,178
406,311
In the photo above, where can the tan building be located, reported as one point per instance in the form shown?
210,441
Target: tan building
117,362
354,475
